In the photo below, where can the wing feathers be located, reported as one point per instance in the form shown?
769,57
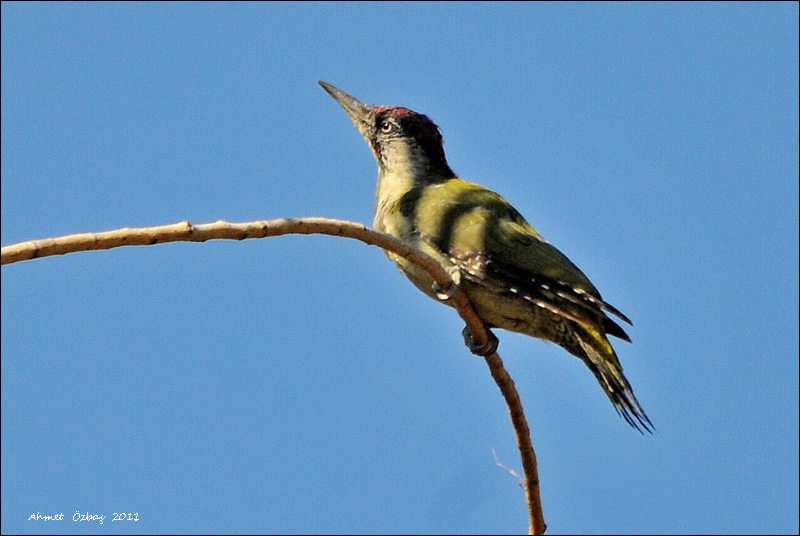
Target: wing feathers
542,291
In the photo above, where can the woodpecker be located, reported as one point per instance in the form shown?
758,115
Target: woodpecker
515,279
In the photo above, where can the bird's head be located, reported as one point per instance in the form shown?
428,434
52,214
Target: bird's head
402,140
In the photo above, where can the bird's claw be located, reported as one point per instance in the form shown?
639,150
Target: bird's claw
485,350
452,288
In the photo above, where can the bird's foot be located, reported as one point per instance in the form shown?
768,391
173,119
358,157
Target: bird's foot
450,291
487,349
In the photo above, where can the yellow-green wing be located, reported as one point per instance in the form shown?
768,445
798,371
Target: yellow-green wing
487,237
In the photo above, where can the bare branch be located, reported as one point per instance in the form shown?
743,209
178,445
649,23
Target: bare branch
529,466
186,232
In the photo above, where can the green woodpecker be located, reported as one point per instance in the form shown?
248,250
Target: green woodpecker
514,278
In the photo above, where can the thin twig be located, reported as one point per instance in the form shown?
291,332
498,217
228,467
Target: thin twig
529,466
186,232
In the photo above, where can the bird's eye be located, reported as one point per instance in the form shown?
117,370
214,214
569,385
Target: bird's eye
386,127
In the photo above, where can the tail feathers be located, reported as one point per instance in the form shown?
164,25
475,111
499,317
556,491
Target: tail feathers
599,356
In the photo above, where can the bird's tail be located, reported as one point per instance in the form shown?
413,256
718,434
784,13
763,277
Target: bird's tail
599,356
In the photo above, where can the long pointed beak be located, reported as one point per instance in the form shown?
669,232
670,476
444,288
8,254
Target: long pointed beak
361,114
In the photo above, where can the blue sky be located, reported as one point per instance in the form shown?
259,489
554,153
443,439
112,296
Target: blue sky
301,384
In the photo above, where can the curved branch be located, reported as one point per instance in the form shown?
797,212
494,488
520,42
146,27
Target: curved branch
528,455
186,232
